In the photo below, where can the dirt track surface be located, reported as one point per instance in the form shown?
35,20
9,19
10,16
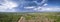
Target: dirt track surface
37,19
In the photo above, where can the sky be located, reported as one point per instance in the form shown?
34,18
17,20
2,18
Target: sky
29,5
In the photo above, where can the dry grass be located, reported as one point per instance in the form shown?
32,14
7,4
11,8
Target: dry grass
36,19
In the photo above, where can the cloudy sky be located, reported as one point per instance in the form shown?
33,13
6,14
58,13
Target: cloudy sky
29,5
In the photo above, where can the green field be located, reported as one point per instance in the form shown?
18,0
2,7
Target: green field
15,16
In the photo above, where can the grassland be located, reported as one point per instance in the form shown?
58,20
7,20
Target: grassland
15,16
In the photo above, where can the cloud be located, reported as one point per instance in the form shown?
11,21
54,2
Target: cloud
31,7
37,8
51,9
45,4
7,6
43,1
47,9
